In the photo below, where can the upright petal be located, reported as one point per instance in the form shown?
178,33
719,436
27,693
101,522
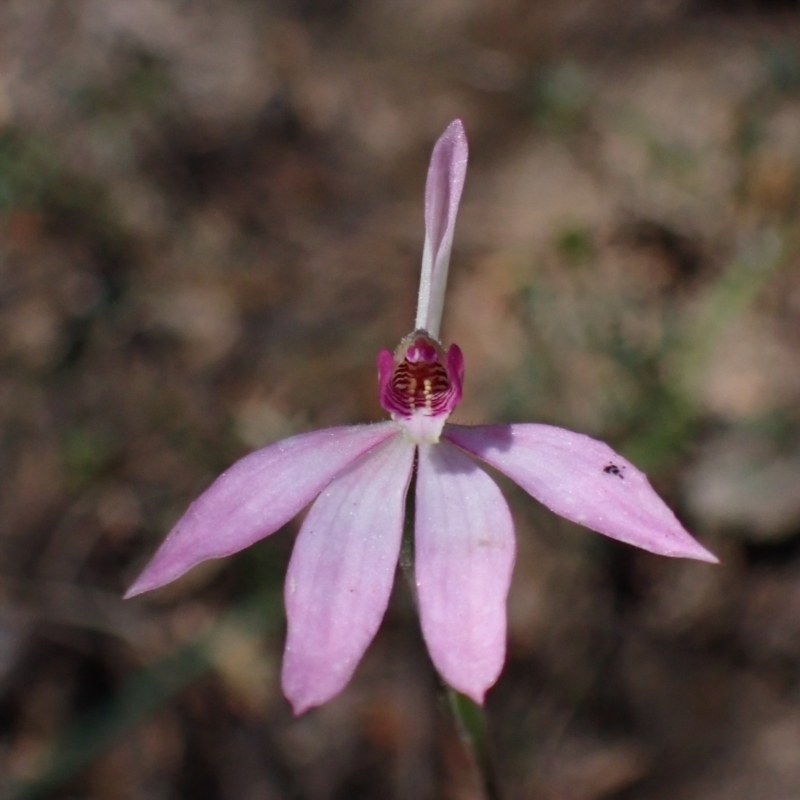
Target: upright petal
446,174
583,480
341,573
464,556
256,496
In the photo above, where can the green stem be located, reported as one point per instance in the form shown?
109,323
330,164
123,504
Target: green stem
91,735
470,720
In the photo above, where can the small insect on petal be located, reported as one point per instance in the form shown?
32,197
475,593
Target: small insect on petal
583,480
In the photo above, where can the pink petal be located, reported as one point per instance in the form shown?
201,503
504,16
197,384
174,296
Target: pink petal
464,554
341,573
583,480
256,496
446,174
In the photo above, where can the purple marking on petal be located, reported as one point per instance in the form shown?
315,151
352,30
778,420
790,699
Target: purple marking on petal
256,496
583,480
446,174
464,555
341,573
421,377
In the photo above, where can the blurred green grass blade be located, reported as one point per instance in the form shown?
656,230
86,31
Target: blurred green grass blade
736,289
672,411
90,736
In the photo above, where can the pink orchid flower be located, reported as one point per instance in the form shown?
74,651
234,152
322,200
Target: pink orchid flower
344,560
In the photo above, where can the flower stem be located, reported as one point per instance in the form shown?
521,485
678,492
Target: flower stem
407,543
470,720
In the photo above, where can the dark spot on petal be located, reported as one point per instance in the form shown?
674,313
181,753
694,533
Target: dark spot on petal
613,469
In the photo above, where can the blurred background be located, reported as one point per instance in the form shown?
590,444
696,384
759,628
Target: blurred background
211,221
